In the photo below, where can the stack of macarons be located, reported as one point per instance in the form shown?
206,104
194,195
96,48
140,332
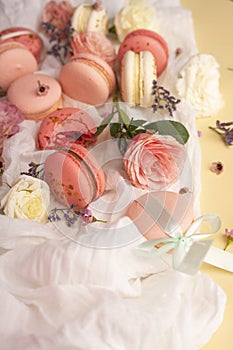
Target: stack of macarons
142,57
89,75
71,171
20,54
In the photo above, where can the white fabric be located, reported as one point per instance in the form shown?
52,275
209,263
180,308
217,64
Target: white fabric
60,290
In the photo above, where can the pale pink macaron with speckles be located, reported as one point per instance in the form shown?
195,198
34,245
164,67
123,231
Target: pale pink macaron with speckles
88,79
64,127
15,61
146,40
25,36
74,176
36,95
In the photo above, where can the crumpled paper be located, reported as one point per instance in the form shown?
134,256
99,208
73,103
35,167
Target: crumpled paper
87,288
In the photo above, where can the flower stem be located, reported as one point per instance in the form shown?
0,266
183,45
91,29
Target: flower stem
214,129
98,220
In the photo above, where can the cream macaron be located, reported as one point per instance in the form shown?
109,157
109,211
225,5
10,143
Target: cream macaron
137,72
90,18
36,95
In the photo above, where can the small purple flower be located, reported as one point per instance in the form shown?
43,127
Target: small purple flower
86,216
229,236
199,133
42,89
178,51
217,167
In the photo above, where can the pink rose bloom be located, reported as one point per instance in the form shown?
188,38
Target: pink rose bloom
57,14
95,43
153,161
10,117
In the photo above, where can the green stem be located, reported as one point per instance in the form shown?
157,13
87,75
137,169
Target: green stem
229,241
214,129
97,220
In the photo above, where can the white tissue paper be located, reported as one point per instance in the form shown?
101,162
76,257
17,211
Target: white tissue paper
60,290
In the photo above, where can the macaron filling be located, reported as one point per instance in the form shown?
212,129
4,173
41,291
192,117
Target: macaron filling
137,79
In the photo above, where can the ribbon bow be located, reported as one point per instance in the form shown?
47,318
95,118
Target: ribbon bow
188,251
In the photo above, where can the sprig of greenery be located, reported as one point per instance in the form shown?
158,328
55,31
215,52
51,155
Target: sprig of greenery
126,128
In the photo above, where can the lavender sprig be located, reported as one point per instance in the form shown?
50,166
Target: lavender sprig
60,39
71,216
225,131
163,99
35,170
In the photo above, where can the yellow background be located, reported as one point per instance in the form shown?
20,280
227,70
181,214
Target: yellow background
213,25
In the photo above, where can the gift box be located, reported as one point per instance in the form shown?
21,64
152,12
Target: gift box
158,214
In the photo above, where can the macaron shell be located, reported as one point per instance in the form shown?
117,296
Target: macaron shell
25,36
146,40
180,207
15,62
23,92
57,128
69,175
68,181
80,17
98,21
86,19
88,79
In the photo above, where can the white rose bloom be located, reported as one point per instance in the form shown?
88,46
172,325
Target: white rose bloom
28,198
136,14
198,83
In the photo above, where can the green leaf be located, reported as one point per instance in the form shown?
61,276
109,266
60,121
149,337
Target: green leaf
170,127
123,117
137,122
115,129
104,124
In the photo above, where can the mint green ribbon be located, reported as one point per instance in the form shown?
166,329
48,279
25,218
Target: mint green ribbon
189,250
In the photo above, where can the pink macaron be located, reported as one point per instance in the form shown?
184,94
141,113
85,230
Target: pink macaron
87,78
30,39
64,127
36,95
146,40
74,176
15,61
157,213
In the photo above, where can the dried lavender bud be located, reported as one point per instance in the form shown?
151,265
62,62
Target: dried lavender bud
163,99
225,131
